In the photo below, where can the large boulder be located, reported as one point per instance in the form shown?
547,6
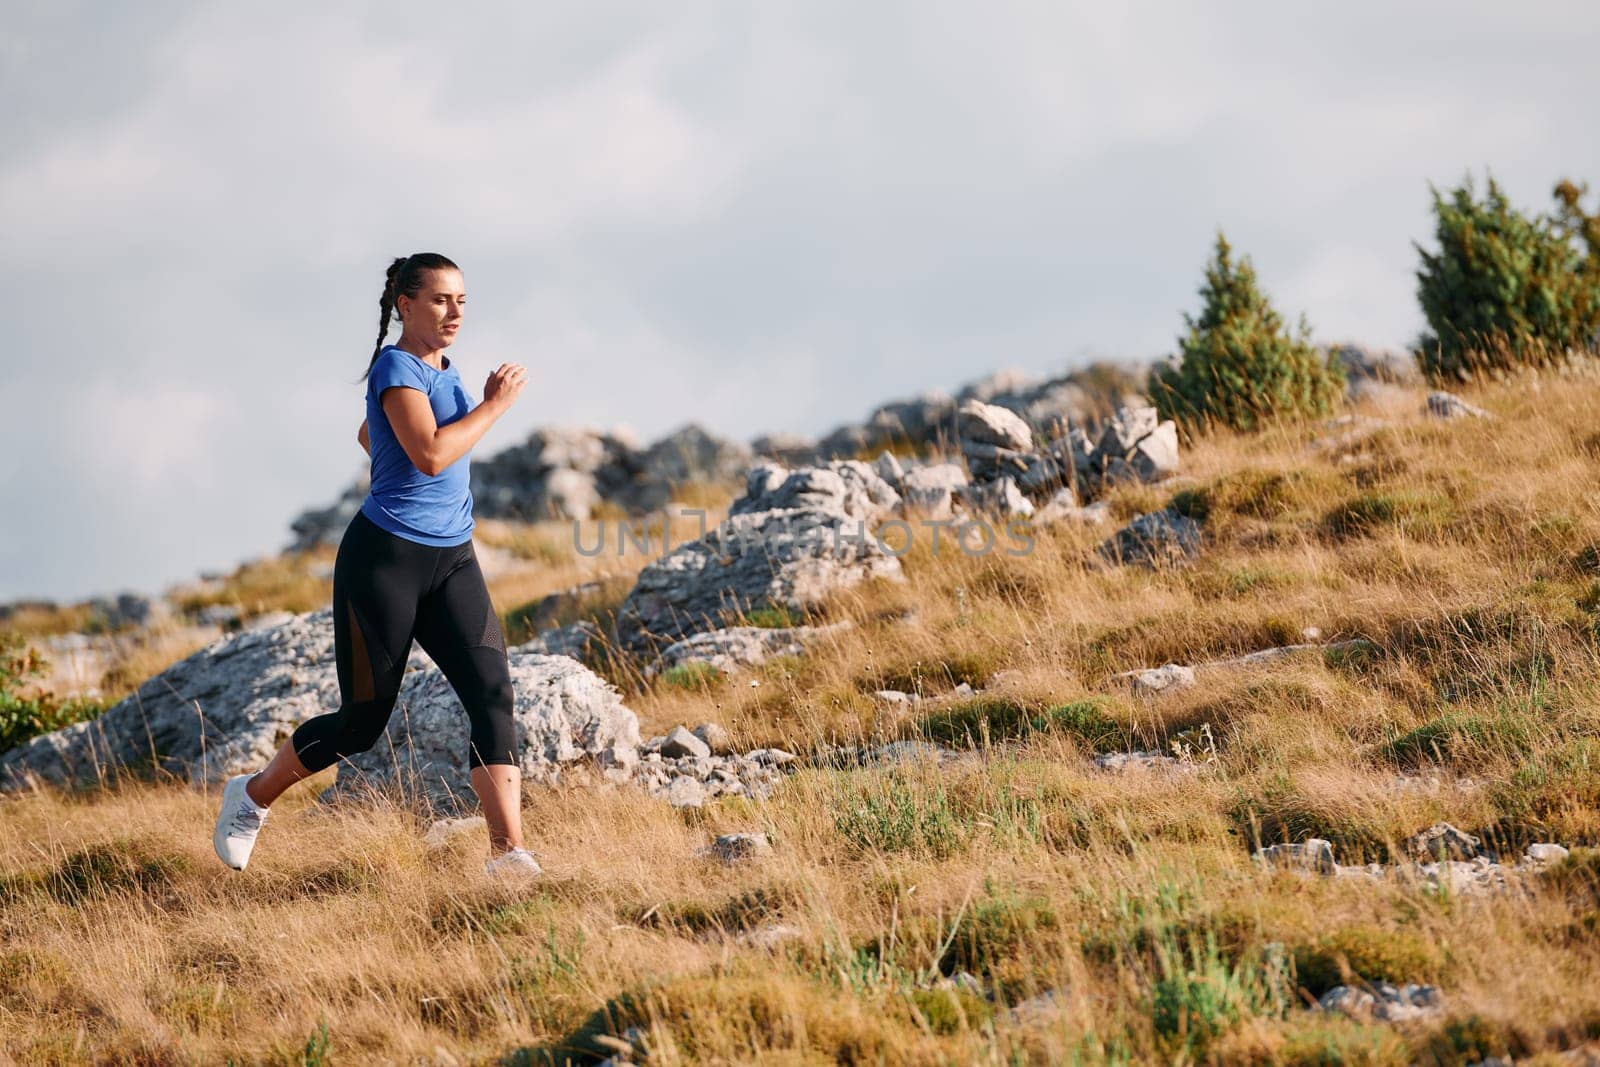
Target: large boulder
792,539
222,710
690,454
565,714
995,440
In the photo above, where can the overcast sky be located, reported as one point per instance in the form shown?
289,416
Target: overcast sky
759,217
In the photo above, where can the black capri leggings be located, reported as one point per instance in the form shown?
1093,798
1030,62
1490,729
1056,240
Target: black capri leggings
387,590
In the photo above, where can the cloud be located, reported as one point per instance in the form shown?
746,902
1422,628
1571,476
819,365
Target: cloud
755,217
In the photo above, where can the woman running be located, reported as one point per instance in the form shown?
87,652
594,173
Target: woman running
406,569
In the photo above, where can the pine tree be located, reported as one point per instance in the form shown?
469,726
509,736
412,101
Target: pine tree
1504,289
1239,364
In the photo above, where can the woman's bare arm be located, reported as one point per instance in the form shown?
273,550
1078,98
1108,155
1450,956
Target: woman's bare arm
432,447
362,439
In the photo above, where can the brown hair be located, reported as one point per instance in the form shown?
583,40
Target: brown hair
403,276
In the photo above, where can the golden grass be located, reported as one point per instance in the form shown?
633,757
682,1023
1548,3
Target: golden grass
1466,554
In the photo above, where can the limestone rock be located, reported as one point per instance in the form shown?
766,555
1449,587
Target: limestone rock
1154,680
1544,852
1449,406
928,491
444,832
575,640
1385,1002
994,440
1154,539
220,711
998,497
1121,762
715,738
1443,841
793,539
1311,854
565,715
680,742
737,647
731,849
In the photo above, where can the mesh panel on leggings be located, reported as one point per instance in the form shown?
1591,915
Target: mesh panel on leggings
360,662
491,632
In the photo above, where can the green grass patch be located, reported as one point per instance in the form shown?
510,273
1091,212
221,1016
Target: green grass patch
697,675
1412,512
983,722
1366,953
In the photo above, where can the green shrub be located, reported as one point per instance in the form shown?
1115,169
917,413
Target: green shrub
892,814
1503,289
1239,365
987,721
950,1011
21,717
1366,952
693,675
1414,512
771,617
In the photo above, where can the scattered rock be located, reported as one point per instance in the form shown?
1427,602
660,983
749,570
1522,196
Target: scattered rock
1442,841
1063,507
1544,852
1449,406
1385,1002
714,737
220,711
1121,762
680,742
998,497
994,440
1311,854
731,849
908,752
1156,680
1368,361
684,792
1135,445
1158,538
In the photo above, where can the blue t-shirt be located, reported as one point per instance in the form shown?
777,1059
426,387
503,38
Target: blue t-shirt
428,510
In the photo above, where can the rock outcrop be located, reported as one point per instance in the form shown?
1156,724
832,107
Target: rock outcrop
223,709
565,714
793,539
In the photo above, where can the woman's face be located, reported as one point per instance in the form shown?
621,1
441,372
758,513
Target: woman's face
433,316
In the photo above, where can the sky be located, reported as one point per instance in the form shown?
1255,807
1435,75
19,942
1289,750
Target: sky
757,217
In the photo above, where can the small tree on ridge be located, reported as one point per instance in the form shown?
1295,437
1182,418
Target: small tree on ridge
1239,364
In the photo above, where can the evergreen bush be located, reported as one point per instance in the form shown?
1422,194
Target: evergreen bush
1504,290
1240,365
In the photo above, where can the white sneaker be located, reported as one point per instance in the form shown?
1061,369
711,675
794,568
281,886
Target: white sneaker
237,824
517,863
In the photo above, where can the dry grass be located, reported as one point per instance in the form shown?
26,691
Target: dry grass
1467,554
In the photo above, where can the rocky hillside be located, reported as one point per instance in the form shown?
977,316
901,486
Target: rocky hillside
1075,742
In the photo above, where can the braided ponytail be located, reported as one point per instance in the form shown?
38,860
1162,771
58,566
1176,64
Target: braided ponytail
403,276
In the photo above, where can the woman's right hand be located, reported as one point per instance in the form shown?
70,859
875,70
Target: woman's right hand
503,385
